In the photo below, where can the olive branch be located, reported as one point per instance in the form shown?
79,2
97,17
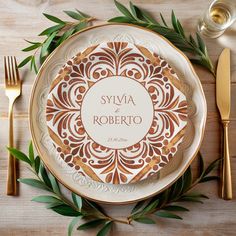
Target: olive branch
166,204
195,49
55,35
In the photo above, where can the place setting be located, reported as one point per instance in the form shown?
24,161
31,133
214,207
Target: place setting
117,115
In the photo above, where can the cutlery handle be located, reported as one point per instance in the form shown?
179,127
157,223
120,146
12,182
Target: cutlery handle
11,178
226,174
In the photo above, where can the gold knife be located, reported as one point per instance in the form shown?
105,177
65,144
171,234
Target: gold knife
223,103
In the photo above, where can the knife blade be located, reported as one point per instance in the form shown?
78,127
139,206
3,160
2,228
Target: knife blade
223,103
223,84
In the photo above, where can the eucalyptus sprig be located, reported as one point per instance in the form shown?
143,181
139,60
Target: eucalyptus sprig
55,35
195,48
166,204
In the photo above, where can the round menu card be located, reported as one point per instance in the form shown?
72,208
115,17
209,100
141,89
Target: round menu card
116,113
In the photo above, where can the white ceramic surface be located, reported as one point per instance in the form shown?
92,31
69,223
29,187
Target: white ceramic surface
116,113
108,193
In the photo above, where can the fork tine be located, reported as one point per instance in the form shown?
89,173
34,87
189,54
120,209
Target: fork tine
6,72
10,80
13,71
16,72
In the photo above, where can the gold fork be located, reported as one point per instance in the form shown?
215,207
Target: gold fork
13,90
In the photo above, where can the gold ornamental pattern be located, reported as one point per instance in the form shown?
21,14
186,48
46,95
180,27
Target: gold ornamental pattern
95,160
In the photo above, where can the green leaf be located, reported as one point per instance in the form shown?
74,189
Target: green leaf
66,210
47,43
163,197
32,47
120,19
176,188
72,225
170,215
209,178
211,167
19,155
82,14
187,179
37,164
201,43
54,183
174,21
42,57
145,15
151,206
190,199
32,62
201,164
34,66
54,18
145,220
46,199
80,26
197,62
138,206
175,208
123,10
133,9
176,24
25,61
54,204
166,32
66,35
91,224
196,195
105,229
74,15
95,207
31,152
31,42
51,30
34,183
192,41
77,200
206,62
180,28
163,20
44,175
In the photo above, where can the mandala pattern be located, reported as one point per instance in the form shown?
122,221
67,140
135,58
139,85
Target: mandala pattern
95,160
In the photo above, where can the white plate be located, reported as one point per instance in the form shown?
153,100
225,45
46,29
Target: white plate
197,110
115,113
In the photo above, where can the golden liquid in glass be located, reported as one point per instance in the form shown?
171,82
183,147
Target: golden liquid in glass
220,15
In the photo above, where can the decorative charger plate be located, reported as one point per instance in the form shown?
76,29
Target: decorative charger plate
115,113
55,160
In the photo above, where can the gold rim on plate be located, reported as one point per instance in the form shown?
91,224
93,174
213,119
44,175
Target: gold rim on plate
44,159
